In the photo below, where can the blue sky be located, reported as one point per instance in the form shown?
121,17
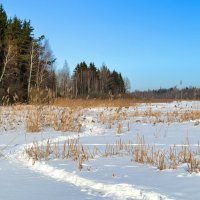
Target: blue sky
155,43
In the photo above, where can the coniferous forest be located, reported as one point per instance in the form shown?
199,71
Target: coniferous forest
28,72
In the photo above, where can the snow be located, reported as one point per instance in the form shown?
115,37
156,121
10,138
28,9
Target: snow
113,177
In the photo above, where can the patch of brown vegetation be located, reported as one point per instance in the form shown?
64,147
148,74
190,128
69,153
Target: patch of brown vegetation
90,103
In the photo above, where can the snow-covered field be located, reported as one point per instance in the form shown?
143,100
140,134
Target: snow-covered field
107,137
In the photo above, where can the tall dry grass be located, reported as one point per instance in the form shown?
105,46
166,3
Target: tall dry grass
59,119
142,153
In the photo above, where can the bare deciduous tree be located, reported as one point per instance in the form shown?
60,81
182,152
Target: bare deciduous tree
64,81
10,53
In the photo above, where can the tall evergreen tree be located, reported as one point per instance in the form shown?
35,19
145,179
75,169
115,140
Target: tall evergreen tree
25,62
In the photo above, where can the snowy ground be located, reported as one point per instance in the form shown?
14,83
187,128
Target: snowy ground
113,177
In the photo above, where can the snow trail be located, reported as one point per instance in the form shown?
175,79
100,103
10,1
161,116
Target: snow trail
114,191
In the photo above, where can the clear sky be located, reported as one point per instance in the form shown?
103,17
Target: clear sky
155,43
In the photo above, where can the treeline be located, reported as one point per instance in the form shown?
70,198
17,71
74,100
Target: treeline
89,81
188,93
25,61
27,69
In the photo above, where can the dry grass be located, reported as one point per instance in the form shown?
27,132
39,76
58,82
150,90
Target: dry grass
150,116
68,118
64,119
71,150
141,153
90,103
119,128
117,115
192,115
33,123
95,103
67,121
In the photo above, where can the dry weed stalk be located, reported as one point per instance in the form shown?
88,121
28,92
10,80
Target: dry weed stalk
33,123
119,128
